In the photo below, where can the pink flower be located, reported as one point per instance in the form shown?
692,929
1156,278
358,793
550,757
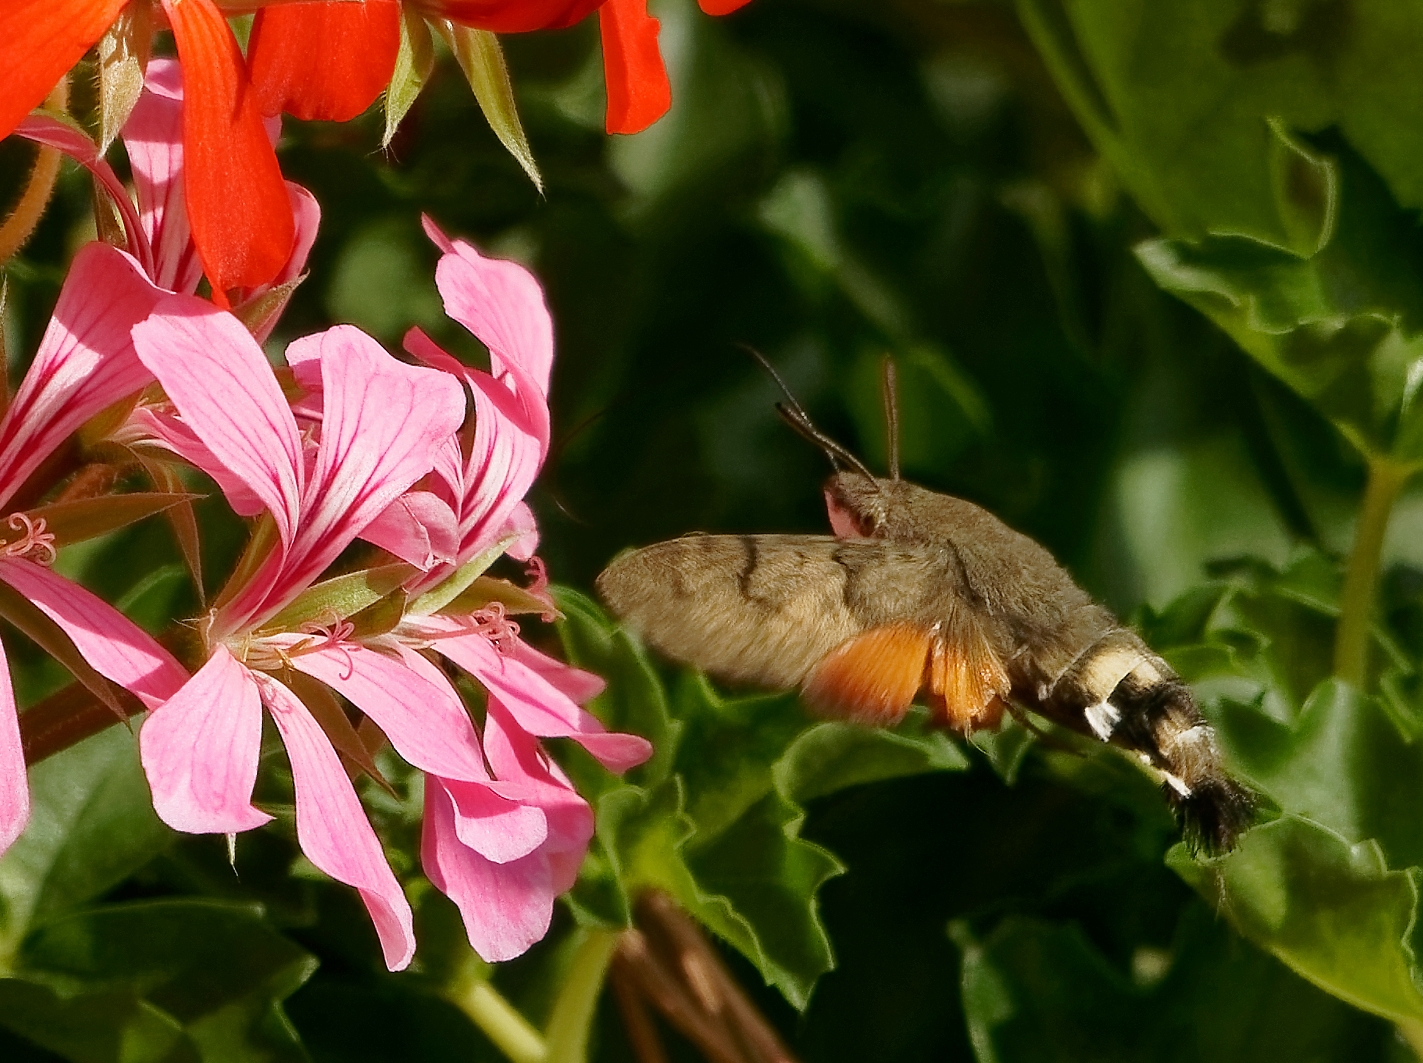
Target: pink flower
86,361
158,232
382,423
530,695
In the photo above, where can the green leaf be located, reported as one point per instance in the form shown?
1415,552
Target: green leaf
217,968
437,598
112,1026
1330,909
85,518
482,60
634,700
91,825
1035,990
413,64
832,756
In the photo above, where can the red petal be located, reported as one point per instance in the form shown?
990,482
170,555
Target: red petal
39,41
721,7
638,90
323,61
237,202
509,16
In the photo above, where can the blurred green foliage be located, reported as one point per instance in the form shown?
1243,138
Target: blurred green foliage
1153,277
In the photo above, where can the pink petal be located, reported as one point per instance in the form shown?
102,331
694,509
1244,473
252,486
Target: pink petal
539,707
153,138
226,392
161,426
200,751
506,907
497,828
14,784
521,523
85,361
411,702
579,685
382,423
332,827
501,302
114,645
504,460
56,134
417,527
517,757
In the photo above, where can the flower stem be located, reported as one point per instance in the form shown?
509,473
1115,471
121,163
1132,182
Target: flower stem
1356,607
577,1000
1411,1030
511,1033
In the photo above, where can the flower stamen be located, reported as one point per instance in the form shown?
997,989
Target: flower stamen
34,544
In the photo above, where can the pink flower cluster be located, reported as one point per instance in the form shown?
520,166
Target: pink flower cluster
427,463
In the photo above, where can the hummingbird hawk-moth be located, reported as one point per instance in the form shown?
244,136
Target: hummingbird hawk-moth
922,592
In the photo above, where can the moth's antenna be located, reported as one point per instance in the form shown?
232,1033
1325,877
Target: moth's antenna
796,418
890,390
793,413
791,400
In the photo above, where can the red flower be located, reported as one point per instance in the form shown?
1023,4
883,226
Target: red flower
331,59
237,202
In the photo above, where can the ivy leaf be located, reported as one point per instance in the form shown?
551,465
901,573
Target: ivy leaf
1330,909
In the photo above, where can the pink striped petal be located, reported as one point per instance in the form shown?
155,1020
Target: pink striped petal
414,705
517,757
506,907
225,390
382,424
522,526
501,302
85,361
539,707
153,138
161,426
114,645
57,134
200,751
417,527
14,783
504,459
332,828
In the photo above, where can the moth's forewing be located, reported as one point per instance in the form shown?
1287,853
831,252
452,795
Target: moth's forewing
761,609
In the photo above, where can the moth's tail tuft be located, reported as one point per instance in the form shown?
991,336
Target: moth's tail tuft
1214,815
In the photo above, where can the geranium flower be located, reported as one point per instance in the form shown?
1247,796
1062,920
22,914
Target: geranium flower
86,361
530,695
156,227
330,60
237,205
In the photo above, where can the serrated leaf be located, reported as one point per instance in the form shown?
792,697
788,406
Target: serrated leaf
341,597
1330,909
482,59
413,63
123,59
832,756
86,518
91,825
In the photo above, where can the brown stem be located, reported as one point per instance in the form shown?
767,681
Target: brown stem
66,718
705,971
669,993
641,1030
